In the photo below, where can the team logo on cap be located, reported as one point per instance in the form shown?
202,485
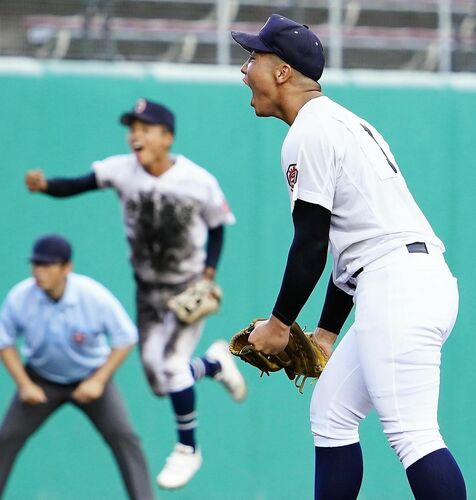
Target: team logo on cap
292,175
140,106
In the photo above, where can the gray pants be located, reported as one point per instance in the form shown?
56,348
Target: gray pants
108,415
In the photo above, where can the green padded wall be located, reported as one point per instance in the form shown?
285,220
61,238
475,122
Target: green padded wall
63,117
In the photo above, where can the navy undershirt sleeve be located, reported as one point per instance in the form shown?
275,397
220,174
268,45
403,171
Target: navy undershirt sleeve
306,259
214,246
60,187
336,309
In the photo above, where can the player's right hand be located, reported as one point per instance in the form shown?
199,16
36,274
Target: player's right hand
32,394
35,180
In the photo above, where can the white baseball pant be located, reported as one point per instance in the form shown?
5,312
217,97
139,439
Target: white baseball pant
405,308
166,344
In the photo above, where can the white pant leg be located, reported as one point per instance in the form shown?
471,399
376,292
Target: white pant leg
178,353
406,306
340,399
166,353
166,345
405,310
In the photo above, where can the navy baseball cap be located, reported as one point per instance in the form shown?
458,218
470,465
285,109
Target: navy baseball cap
51,249
294,43
150,112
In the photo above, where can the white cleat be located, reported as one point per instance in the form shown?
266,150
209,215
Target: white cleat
229,375
181,465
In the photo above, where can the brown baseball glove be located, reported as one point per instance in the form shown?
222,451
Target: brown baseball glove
301,358
200,299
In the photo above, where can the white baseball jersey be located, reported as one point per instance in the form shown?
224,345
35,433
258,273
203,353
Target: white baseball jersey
166,217
333,158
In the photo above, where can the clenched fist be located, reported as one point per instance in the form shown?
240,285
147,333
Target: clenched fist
88,390
32,394
35,181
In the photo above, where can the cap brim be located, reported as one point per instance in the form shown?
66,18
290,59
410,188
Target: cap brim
128,118
43,259
250,42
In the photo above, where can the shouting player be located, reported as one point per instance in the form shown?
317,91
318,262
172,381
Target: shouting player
346,190
171,207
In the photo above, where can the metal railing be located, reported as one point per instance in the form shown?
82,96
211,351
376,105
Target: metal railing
341,24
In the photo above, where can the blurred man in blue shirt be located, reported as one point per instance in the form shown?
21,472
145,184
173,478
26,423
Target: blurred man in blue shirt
76,334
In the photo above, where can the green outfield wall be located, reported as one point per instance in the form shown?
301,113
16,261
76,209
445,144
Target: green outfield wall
61,117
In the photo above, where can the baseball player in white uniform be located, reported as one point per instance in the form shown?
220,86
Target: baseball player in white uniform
172,210
347,193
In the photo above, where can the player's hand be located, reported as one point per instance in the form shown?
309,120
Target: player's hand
32,394
325,340
88,390
270,336
35,181
209,273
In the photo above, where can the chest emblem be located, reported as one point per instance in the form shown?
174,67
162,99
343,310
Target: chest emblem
292,175
79,338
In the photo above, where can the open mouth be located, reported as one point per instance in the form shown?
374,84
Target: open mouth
137,147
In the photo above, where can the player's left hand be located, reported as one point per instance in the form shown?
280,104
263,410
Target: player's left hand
209,273
325,340
270,336
88,390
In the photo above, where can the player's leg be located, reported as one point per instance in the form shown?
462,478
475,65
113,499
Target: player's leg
166,348
219,364
180,380
157,332
20,422
162,337
339,402
202,367
436,476
169,374
405,311
185,460
109,416
154,333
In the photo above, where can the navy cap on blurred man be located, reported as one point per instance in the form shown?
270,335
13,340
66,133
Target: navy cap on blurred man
149,112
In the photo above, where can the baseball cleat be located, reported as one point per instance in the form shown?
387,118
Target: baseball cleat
181,465
229,375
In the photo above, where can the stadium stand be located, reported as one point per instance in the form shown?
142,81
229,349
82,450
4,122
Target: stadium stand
426,35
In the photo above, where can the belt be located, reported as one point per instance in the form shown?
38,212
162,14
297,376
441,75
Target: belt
417,247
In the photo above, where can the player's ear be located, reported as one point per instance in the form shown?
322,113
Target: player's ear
282,73
170,138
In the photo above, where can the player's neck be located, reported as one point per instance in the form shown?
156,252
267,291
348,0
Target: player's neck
292,103
160,166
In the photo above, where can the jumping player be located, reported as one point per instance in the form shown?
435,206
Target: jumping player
171,207
347,191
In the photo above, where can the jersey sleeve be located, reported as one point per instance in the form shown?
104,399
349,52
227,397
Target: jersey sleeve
312,171
217,211
9,327
109,172
117,323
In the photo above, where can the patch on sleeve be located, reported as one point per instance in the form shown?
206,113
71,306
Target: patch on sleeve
292,175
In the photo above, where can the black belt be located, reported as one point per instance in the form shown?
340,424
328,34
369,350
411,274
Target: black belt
417,247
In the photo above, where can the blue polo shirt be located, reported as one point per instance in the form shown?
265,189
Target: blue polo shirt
65,340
